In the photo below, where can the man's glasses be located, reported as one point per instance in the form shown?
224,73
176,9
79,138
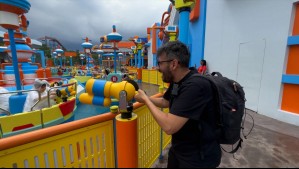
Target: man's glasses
159,62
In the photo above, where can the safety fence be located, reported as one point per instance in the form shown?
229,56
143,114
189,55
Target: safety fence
90,143
151,76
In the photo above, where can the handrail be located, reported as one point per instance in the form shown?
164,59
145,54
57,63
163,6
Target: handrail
58,87
6,111
22,82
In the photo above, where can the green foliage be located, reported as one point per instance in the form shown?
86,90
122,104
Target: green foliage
46,50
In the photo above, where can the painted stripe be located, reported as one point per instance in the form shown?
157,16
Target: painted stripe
98,87
54,122
22,131
290,79
98,100
293,40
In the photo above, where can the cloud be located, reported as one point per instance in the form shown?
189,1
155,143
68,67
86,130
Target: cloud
71,20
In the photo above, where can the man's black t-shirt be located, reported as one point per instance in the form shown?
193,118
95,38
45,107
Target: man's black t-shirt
192,98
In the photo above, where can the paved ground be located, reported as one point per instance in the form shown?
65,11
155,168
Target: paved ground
271,144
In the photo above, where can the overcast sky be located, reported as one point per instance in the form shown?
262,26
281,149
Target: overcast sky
71,20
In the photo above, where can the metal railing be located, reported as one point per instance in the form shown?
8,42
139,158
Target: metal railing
5,111
39,94
51,78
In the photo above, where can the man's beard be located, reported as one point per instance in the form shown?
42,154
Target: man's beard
167,77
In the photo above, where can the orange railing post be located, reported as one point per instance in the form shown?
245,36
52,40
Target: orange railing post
126,141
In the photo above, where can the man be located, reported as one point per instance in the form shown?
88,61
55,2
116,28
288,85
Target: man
192,117
42,87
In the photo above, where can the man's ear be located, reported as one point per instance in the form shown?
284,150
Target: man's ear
175,64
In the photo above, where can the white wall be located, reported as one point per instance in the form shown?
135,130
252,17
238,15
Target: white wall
150,57
246,40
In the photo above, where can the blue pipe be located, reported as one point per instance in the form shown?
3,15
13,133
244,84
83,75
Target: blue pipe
142,61
184,25
139,58
71,61
32,59
135,59
60,60
87,64
42,55
14,59
114,61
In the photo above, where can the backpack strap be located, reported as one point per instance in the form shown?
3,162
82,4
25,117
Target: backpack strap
215,93
216,73
236,148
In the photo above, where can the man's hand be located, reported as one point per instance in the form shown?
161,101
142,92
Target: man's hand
140,96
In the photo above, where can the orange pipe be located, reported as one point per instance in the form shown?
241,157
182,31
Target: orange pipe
126,142
194,14
50,63
154,41
154,37
21,74
139,74
1,78
6,37
162,20
40,73
48,72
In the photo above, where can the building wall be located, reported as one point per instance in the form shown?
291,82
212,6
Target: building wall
247,41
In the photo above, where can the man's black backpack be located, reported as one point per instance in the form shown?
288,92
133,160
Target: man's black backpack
230,99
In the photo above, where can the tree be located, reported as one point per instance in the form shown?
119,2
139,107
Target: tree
46,50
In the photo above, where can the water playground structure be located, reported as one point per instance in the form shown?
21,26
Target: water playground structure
68,98
27,69
98,92
17,77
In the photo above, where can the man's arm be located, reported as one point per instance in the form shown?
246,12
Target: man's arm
160,102
169,123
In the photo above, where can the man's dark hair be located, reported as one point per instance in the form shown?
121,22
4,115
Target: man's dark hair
176,50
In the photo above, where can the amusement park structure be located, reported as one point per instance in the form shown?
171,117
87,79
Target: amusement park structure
51,42
18,77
